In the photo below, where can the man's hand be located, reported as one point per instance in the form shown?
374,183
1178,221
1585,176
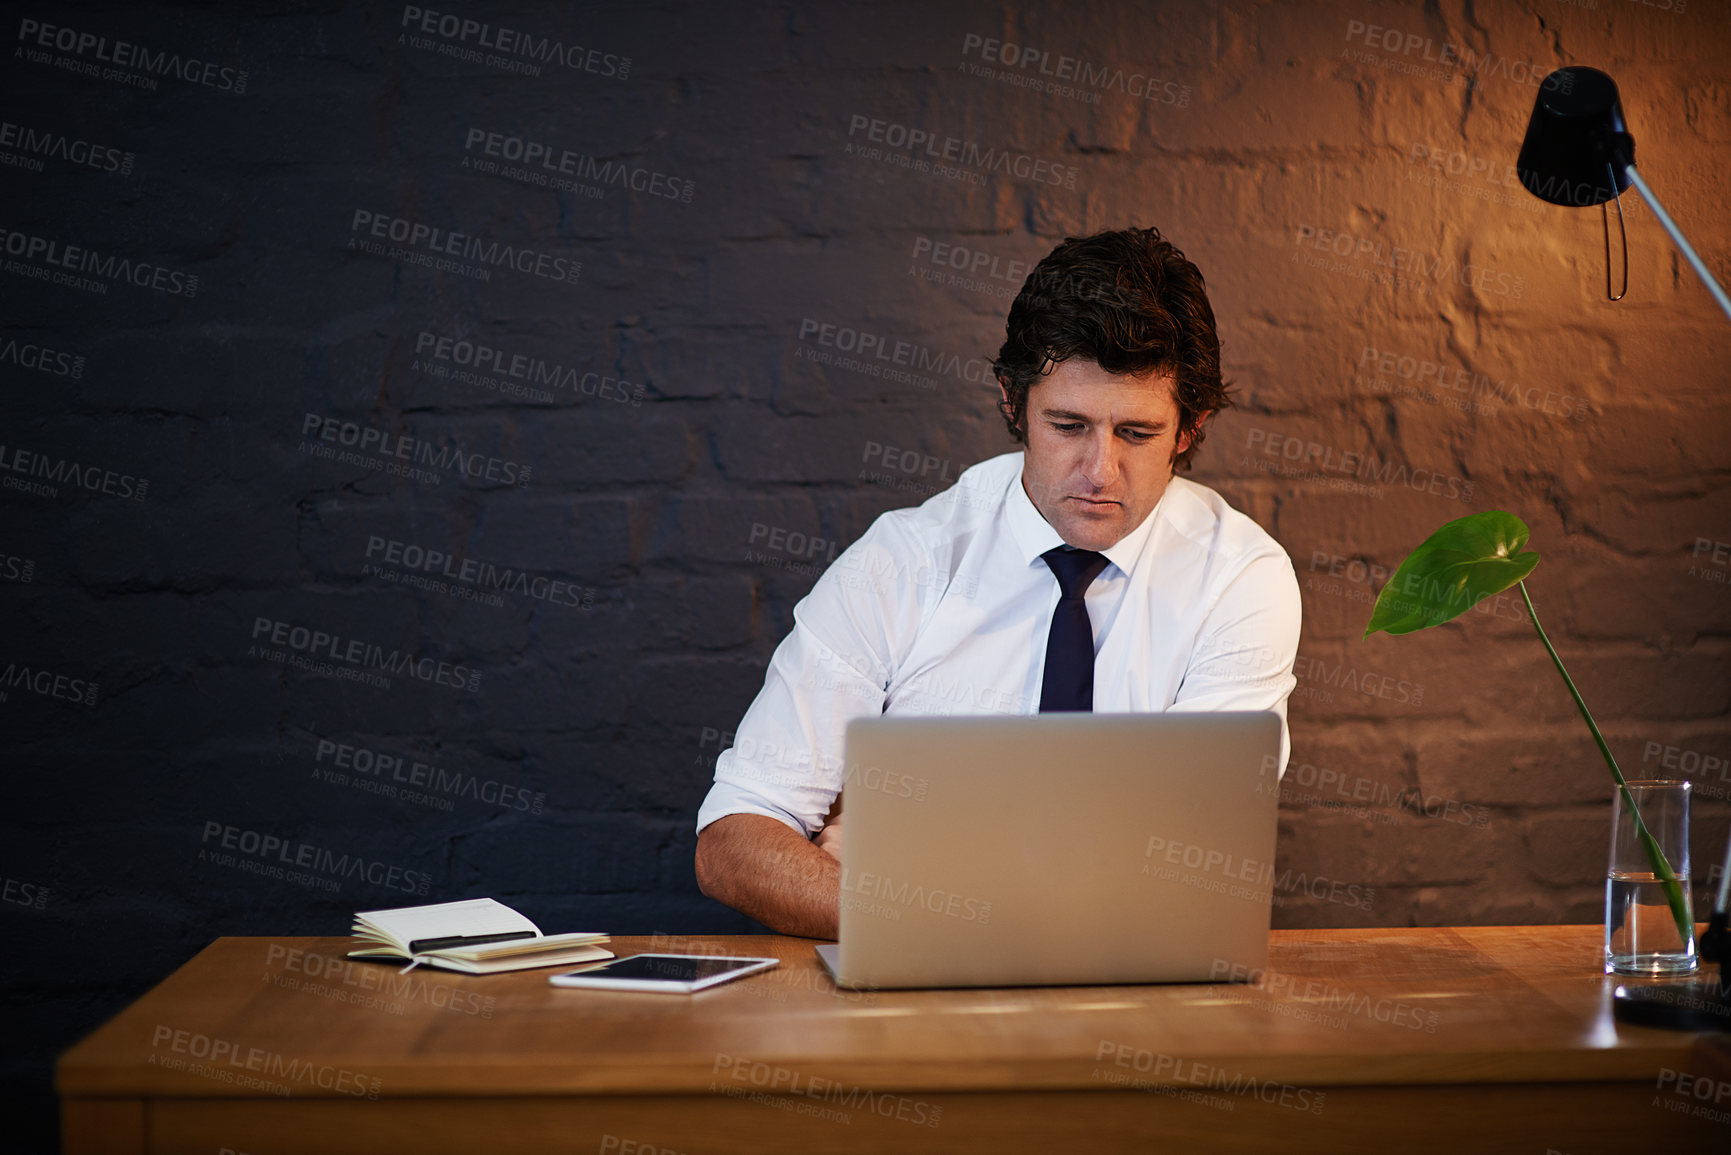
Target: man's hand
829,838
766,869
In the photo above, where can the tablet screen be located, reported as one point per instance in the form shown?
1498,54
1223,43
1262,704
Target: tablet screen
667,968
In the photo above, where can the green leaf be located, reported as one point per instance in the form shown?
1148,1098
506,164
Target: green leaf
1457,567
1460,565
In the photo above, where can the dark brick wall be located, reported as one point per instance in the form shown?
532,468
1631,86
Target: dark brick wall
654,433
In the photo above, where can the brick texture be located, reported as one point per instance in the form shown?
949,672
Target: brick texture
336,432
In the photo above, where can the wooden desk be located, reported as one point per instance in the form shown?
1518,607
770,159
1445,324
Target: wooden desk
1470,1039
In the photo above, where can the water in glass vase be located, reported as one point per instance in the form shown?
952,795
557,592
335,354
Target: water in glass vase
1641,936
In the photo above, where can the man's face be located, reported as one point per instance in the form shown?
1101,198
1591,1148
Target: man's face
1100,450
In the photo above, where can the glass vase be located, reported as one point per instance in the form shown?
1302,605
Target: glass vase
1641,932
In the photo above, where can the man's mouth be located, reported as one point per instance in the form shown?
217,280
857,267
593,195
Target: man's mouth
1094,500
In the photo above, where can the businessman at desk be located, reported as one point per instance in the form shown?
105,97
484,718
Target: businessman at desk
1079,574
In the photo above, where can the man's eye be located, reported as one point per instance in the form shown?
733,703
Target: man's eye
1138,435
1068,427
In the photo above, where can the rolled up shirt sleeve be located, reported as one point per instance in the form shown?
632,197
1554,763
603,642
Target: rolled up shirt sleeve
786,761
1247,646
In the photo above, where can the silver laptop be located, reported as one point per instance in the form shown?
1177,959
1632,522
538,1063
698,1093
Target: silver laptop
1056,849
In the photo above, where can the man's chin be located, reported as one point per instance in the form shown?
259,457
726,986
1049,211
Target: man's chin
1096,531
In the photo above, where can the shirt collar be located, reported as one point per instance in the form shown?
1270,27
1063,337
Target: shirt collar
1034,535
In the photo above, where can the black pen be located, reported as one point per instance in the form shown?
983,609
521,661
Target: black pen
426,945
422,946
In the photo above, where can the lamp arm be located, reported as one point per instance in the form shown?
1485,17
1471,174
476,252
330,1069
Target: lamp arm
1719,900
1695,260
1714,944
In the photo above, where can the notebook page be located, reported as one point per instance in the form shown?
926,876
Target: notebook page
443,919
552,942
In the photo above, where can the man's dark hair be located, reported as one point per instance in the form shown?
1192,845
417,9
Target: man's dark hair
1127,300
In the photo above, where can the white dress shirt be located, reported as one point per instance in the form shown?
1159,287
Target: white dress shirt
944,608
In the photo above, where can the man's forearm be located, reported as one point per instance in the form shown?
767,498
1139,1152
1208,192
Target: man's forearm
763,868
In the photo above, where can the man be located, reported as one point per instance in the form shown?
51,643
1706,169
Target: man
1079,574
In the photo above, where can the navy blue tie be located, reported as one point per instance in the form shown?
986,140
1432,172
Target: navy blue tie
1068,682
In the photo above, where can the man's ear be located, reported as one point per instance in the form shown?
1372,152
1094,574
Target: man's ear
1187,438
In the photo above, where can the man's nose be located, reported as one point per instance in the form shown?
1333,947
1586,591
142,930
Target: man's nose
1100,464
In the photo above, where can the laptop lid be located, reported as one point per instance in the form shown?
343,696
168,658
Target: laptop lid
1057,848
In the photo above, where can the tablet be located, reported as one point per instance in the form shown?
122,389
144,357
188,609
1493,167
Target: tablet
675,973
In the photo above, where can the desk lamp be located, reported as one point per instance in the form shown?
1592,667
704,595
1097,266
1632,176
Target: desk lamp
1578,152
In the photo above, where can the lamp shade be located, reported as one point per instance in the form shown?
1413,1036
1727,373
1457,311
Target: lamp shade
1577,147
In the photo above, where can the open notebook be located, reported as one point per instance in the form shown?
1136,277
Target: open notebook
477,936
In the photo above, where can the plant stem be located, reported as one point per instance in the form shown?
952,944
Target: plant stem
1655,853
